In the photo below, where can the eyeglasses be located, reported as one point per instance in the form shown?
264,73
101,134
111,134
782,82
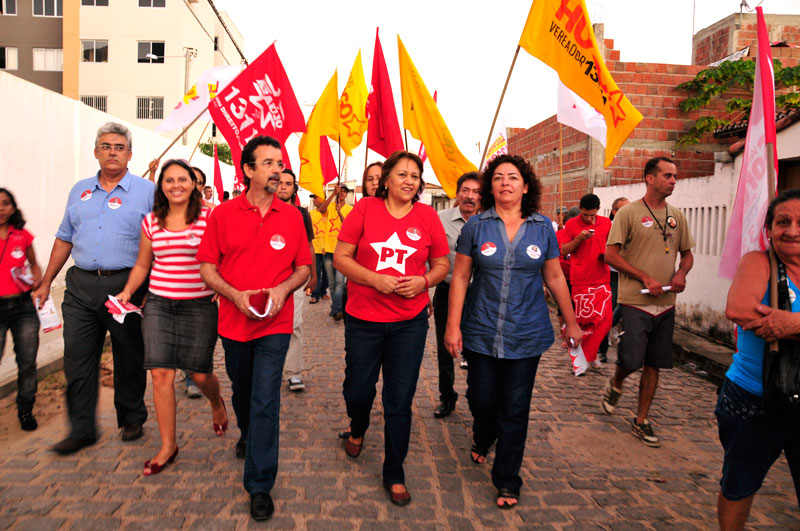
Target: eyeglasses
269,164
119,148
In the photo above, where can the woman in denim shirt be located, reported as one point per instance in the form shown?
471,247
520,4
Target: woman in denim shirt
504,326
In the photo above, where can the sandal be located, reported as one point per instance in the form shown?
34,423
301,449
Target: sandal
505,493
313,300
476,455
350,448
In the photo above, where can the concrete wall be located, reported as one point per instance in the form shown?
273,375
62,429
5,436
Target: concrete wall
26,32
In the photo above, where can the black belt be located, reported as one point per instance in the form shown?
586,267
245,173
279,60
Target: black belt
105,272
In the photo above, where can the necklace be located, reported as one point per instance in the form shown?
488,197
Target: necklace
662,228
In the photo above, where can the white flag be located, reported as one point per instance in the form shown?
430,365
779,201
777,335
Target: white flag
576,113
197,99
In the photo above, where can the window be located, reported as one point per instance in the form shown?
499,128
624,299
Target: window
95,51
152,49
47,8
149,108
96,102
48,59
94,2
8,7
152,3
8,58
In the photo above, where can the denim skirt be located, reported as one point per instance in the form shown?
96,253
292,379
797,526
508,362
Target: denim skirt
179,333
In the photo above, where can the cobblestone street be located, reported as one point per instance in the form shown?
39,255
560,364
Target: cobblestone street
582,469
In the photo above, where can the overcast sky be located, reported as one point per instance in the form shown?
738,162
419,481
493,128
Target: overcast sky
462,49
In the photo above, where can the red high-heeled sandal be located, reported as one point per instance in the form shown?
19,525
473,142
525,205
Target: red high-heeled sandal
151,469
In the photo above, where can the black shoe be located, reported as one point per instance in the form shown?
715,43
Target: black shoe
241,448
261,506
70,446
444,409
338,316
131,432
26,420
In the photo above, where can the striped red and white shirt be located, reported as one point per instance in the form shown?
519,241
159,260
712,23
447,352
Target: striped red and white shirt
176,269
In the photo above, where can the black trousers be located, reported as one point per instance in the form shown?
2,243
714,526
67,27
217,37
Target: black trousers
447,375
86,321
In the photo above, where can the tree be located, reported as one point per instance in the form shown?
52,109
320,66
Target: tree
734,76
223,151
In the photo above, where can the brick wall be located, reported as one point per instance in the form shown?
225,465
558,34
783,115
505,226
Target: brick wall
714,47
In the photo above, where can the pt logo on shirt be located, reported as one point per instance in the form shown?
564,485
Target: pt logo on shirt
413,234
277,242
17,253
86,195
392,254
488,249
114,203
647,222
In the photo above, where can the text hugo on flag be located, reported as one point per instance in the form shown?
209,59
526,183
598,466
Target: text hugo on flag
559,33
260,101
324,120
746,228
352,110
422,119
383,132
196,100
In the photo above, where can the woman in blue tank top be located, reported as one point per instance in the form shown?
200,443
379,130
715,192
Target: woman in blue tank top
754,432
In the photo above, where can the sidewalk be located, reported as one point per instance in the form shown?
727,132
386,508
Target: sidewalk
582,469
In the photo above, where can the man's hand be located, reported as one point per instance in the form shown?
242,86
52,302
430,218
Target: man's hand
278,296
242,301
311,285
585,235
40,294
385,284
678,281
654,286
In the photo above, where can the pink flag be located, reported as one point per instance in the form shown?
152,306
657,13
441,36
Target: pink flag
217,176
746,228
422,154
576,113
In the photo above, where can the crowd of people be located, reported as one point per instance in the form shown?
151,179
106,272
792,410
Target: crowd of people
239,271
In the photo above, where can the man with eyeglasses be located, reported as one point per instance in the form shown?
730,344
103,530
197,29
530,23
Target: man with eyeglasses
100,230
255,254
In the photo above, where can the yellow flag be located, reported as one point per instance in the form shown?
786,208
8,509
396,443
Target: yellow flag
559,33
352,110
422,119
324,120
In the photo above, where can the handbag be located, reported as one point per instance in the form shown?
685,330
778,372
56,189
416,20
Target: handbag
781,377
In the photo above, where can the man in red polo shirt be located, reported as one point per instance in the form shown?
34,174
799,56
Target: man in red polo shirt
255,254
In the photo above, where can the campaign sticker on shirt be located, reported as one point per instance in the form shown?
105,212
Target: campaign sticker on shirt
277,242
792,296
193,239
86,195
488,249
647,222
114,203
17,253
413,234
672,222
534,251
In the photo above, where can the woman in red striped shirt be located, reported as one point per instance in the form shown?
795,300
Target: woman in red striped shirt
180,318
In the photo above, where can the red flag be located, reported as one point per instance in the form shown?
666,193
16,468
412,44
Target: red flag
329,171
383,131
746,228
217,176
422,154
260,101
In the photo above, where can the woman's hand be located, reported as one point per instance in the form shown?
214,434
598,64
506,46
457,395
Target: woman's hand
776,324
572,331
386,284
410,287
453,341
123,297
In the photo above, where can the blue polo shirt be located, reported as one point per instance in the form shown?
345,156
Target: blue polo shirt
104,227
505,313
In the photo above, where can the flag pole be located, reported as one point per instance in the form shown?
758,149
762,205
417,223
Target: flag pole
152,177
560,173
405,137
339,168
199,138
497,112
773,261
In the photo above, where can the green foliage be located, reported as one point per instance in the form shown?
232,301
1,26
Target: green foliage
732,75
223,151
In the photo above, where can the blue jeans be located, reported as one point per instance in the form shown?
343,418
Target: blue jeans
255,369
335,283
499,395
398,348
322,278
18,314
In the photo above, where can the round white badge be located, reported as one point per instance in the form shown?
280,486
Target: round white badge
488,249
647,222
17,253
277,242
193,239
534,251
792,295
114,203
413,234
86,195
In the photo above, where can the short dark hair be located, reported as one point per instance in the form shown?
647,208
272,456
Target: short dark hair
469,176
786,195
207,186
530,201
161,203
364,177
201,172
16,220
288,171
590,202
651,166
573,212
248,154
388,166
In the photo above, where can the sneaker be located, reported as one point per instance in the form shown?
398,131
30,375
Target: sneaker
610,398
27,421
644,432
596,364
296,384
464,364
192,391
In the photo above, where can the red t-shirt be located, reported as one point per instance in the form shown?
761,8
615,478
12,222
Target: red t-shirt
252,252
390,246
587,266
562,238
14,249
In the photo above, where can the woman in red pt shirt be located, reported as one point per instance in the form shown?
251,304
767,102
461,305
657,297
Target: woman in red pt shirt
384,245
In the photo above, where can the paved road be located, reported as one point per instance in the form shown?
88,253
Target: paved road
582,470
